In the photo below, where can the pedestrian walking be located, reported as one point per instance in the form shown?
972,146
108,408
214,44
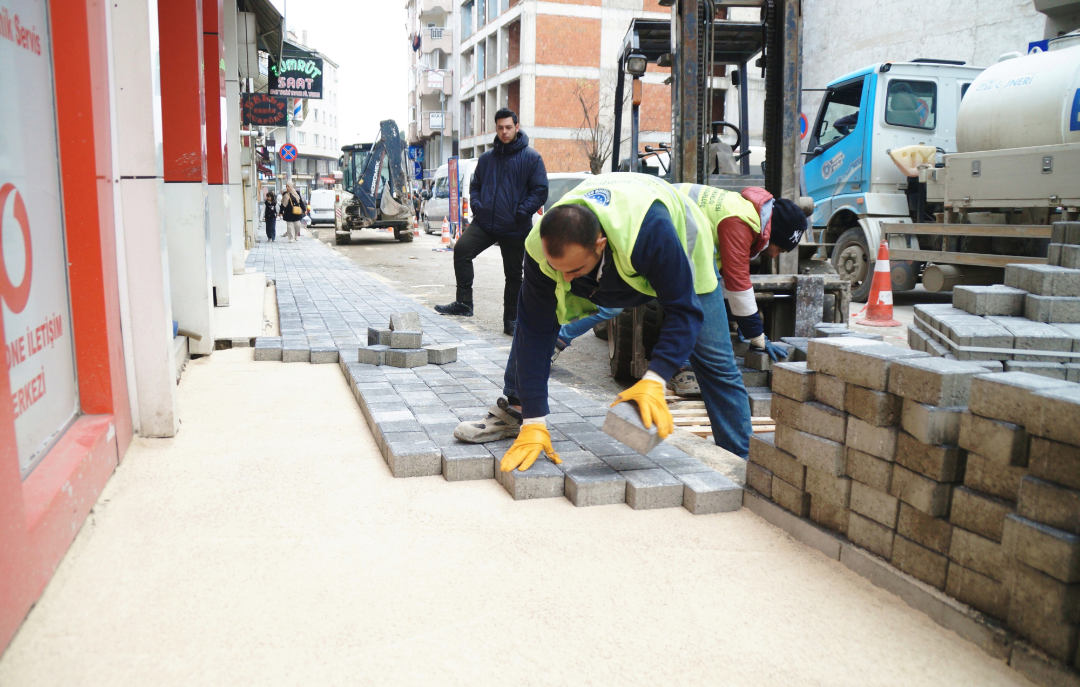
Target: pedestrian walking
292,211
508,186
270,214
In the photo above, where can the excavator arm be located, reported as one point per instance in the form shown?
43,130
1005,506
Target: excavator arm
381,188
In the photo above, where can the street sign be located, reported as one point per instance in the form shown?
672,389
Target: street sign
418,170
416,153
263,110
288,152
804,126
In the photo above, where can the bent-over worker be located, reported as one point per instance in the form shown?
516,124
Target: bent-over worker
618,241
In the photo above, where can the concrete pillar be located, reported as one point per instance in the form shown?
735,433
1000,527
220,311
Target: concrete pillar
136,89
183,124
216,165
234,176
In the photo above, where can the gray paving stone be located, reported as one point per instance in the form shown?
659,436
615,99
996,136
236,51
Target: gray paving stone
1044,280
865,363
268,348
323,354
627,462
441,354
916,338
623,423
406,339
406,321
596,485
935,381
879,408
541,481
830,390
1069,257
1052,308
1036,336
1042,547
810,450
814,418
710,492
1008,396
989,300
372,355
1052,370
295,352
406,357
655,488
931,424
793,380
462,462
1002,442
413,458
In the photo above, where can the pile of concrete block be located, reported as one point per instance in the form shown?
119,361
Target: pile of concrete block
401,345
1031,323
965,479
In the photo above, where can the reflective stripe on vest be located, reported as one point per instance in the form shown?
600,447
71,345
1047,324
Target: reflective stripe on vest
620,201
718,204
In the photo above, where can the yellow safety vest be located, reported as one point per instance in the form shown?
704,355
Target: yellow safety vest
718,204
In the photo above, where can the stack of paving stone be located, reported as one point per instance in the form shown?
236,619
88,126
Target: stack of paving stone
1027,430
1037,309
401,345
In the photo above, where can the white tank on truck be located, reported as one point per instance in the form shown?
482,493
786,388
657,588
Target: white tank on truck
1023,102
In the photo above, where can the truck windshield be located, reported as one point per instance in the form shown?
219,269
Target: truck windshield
839,114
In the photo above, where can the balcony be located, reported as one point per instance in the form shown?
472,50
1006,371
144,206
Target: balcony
435,83
433,123
436,38
434,7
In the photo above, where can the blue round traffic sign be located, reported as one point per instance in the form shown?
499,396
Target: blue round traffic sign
288,152
804,125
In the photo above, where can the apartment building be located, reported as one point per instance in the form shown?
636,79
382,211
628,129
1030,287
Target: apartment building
316,136
540,59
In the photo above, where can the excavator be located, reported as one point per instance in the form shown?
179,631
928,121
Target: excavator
377,177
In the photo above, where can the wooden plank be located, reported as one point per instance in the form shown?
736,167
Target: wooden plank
1025,231
948,258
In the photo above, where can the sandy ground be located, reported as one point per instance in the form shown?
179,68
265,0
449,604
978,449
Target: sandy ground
268,544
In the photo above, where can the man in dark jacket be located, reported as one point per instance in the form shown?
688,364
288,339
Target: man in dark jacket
508,186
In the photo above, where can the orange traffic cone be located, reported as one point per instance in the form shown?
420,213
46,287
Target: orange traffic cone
445,231
415,226
879,306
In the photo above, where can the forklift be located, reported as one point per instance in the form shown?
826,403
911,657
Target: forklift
797,290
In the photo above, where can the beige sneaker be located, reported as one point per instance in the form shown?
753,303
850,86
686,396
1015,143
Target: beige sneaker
502,422
685,384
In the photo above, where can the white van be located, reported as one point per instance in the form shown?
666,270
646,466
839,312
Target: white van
322,206
437,207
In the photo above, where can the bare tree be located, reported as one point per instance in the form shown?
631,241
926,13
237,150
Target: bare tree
594,135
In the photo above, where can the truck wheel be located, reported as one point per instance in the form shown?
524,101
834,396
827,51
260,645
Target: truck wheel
343,239
403,235
621,345
851,259
904,274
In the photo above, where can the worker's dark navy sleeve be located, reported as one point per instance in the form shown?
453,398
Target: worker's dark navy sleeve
537,327
475,201
659,257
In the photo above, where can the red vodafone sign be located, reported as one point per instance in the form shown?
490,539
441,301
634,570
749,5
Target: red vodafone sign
35,311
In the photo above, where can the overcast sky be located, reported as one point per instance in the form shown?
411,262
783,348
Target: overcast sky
368,40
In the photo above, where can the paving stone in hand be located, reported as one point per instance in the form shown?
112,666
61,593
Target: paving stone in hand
624,424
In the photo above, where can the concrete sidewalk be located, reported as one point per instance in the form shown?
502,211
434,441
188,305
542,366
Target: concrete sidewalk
268,544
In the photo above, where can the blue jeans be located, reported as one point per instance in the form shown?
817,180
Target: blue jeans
713,361
571,331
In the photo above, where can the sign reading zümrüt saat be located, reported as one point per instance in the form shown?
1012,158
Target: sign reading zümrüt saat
261,109
297,77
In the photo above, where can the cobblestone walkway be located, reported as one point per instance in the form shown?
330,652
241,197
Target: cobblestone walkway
326,303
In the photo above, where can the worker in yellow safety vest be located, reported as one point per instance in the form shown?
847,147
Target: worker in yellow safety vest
618,241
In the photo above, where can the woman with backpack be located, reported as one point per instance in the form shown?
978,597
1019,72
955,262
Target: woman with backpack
292,211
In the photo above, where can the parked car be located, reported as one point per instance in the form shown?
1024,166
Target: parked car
559,184
322,207
437,207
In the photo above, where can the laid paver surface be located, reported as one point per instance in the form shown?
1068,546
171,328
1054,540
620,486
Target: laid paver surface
327,301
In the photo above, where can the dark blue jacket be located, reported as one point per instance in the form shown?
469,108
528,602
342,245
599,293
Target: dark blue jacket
658,256
508,186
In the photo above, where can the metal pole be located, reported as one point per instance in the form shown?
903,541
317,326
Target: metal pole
635,112
687,82
617,127
744,119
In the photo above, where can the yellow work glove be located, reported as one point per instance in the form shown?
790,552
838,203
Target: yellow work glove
649,396
526,449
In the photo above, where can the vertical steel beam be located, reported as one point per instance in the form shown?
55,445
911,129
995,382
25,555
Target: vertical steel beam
686,87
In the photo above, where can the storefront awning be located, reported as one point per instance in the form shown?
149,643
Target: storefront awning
270,26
